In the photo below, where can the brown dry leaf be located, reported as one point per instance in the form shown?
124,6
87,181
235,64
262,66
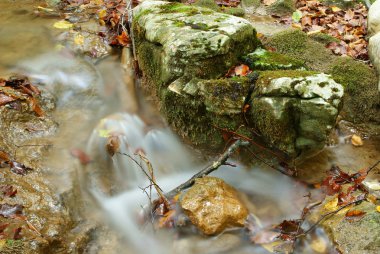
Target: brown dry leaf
4,99
355,213
356,140
113,145
167,221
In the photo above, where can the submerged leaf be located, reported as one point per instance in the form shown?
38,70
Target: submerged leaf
9,211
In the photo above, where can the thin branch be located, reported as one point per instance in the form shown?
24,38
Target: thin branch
142,169
214,166
373,166
153,180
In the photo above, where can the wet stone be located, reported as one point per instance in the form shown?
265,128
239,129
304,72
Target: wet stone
213,206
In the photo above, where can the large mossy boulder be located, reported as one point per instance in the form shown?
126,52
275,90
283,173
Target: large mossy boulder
184,51
295,111
176,40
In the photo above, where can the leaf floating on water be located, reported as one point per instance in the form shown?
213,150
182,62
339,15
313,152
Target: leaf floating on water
63,24
356,140
83,158
113,145
9,211
319,245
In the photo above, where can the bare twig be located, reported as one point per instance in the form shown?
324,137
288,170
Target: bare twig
214,166
153,180
373,166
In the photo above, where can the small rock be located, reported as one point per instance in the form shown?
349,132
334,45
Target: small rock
213,206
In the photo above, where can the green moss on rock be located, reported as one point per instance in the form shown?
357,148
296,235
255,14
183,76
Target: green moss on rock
362,102
324,38
282,7
235,11
207,4
265,60
295,43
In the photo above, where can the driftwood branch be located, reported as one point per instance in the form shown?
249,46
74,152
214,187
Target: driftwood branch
214,166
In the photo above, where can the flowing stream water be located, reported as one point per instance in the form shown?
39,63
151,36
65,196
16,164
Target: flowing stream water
94,101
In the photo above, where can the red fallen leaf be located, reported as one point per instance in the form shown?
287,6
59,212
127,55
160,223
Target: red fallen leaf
17,234
4,99
83,158
19,168
8,211
8,190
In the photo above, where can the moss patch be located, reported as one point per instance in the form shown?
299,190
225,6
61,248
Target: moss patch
323,38
282,7
362,102
295,43
265,60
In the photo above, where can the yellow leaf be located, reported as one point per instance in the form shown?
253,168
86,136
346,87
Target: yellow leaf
298,26
102,14
335,9
378,208
104,133
79,39
2,243
332,204
356,140
63,24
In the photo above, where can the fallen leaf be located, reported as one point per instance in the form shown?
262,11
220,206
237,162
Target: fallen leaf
113,145
355,213
4,99
319,245
242,70
63,24
296,16
19,168
79,39
356,140
335,9
378,208
8,211
17,234
8,190
332,204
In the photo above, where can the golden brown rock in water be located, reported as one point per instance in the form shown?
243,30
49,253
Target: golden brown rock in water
212,205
